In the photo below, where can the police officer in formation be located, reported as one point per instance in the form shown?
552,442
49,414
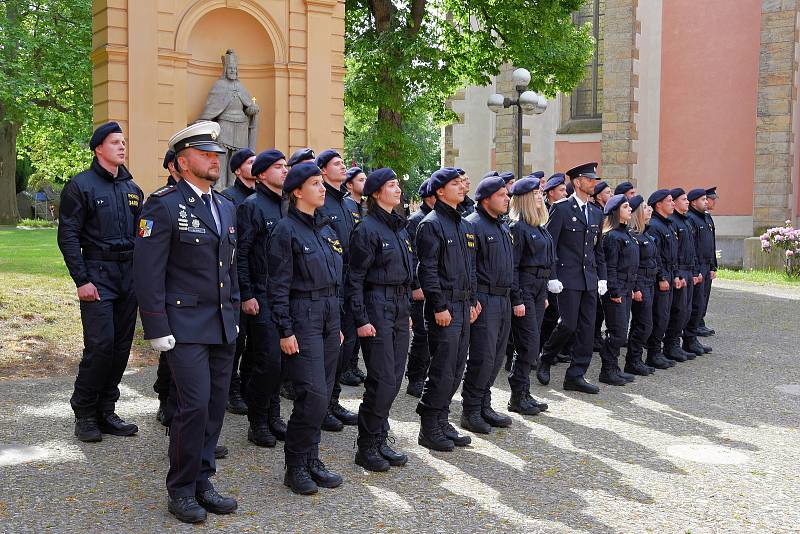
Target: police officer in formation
378,295
305,274
257,217
466,206
419,356
188,291
97,226
711,200
601,195
699,220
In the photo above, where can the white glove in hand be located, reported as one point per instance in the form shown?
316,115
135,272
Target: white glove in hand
555,286
602,287
162,344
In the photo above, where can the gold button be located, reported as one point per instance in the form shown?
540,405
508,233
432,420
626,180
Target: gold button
221,284
177,302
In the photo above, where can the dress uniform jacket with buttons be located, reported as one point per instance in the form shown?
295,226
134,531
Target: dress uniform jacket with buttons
704,237
256,218
687,254
184,270
622,261
649,261
446,248
238,192
494,262
661,229
380,255
534,256
301,235
98,213
413,223
580,260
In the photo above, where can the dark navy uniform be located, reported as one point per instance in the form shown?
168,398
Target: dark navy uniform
706,259
357,210
579,267
446,272
418,355
378,292
185,276
339,209
494,266
257,217
662,231
96,231
534,259
238,192
642,311
466,206
305,270
686,268
713,267
621,251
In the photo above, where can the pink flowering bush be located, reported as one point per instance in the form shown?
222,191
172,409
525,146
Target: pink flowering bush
786,238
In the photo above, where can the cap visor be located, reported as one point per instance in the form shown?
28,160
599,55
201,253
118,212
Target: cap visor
207,147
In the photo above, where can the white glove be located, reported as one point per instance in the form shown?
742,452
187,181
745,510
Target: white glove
162,344
602,287
555,286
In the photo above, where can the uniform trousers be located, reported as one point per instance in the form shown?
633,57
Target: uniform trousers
680,311
617,317
526,334
418,355
263,385
488,338
577,309
241,359
662,302
698,304
348,325
641,323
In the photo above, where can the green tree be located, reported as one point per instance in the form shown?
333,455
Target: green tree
405,58
45,90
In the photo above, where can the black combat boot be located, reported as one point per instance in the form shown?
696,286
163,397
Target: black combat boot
344,415
277,426
543,372
86,429
522,404
691,345
161,415
635,366
396,459
472,421
259,434
608,375
362,376
627,377
298,479
187,509
658,361
431,435
111,423
349,378
369,457
451,433
216,503
320,474
331,424
415,388
236,404
495,419
672,351
220,452
580,384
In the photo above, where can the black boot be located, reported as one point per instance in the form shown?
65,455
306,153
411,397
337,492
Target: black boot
431,435
320,474
362,376
236,404
704,331
259,434
415,388
220,452
690,344
543,372
111,423
86,429
187,509
216,503
522,403
495,419
580,384
287,391
278,427
673,352
161,415
472,421
608,375
349,378
343,414
635,366
564,358
627,377
298,479
396,459
451,433
369,457
658,361
331,424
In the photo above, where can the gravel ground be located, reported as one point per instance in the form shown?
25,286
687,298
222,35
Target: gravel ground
710,446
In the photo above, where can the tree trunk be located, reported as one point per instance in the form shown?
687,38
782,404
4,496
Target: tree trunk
8,169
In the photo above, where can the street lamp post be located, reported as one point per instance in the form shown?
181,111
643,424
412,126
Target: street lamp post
525,102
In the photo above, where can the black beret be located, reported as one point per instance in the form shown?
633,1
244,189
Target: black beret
461,171
352,172
239,157
265,160
507,176
525,185
376,179
554,181
614,202
678,191
488,187
441,177
425,189
694,194
711,192
169,156
103,131
325,157
588,170
300,155
538,175
490,173
598,188
635,201
570,188
657,196
623,188
298,174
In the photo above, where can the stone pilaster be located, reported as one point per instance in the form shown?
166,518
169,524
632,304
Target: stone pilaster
777,66
618,153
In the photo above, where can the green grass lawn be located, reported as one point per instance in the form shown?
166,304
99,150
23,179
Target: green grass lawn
777,278
30,252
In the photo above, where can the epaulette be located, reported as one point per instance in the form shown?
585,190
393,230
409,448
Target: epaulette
163,191
224,194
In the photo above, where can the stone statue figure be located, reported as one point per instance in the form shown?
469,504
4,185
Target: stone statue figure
231,106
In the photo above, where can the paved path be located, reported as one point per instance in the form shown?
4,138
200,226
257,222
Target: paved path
709,446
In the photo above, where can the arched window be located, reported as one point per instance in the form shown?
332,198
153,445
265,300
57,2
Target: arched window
586,101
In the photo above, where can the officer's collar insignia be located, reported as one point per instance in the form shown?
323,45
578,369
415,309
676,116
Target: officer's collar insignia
196,223
190,200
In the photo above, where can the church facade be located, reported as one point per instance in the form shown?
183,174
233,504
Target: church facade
678,93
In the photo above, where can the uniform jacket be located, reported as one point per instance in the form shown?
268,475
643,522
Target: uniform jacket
380,255
413,223
704,237
256,218
446,249
687,254
238,192
98,212
622,261
662,231
184,271
494,257
649,261
303,254
534,256
466,206
339,210
579,249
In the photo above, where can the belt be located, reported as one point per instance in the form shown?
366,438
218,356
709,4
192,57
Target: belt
108,255
454,295
539,272
648,272
400,290
494,290
316,294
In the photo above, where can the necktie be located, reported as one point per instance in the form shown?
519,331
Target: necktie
586,212
207,201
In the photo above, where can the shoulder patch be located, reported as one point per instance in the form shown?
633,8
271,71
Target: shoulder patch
163,191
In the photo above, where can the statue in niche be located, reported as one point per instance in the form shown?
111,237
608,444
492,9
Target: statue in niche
231,106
